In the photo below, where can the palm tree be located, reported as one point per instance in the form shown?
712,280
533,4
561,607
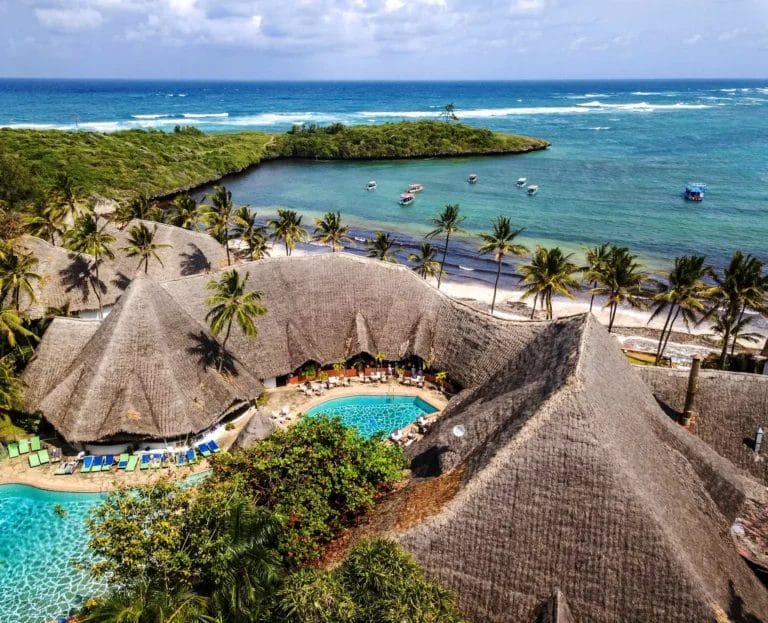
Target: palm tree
216,216
17,274
501,243
446,223
425,263
148,604
742,286
382,247
64,189
141,243
11,387
622,282
597,267
550,272
184,212
287,228
330,231
138,207
245,227
12,327
87,237
45,219
231,302
684,293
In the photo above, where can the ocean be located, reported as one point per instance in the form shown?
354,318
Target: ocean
621,154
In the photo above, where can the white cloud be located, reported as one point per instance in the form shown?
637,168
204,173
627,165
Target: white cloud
693,39
69,20
527,7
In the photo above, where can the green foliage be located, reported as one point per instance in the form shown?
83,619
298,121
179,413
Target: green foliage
316,596
141,244
407,139
317,475
121,164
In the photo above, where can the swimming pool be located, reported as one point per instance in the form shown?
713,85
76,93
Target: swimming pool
374,414
41,532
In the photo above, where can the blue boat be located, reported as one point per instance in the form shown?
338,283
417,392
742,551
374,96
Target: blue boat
695,191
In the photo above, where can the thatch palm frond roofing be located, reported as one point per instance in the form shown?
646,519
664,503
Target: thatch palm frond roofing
148,369
67,279
574,479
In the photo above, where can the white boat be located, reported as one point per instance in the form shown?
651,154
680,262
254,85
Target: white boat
371,185
406,199
532,189
521,182
414,188
472,179
467,268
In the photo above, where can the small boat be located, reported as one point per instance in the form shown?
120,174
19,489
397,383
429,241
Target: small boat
521,182
371,185
360,239
467,268
695,191
406,199
532,189
472,179
414,188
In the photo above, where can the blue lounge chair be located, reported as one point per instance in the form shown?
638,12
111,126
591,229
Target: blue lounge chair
107,463
213,446
203,449
191,456
156,461
97,463
122,462
145,460
87,464
181,458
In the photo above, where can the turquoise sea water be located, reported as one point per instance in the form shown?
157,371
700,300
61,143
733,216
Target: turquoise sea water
374,414
37,547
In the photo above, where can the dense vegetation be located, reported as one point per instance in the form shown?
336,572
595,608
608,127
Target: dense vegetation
407,139
237,547
124,164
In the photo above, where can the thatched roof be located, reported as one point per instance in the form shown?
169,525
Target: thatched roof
259,427
730,407
68,278
573,478
188,253
148,369
555,610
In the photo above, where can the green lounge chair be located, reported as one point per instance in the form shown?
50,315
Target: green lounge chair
122,462
87,464
24,446
13,450
108,462
145,459
132,462
61,470
43,456
34,444
34,460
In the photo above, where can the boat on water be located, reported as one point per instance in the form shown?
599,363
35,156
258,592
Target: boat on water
407,199
414,188
695,191
371,185
532,189
467,268
472,179
521,182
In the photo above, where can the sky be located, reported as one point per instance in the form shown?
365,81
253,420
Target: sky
384,39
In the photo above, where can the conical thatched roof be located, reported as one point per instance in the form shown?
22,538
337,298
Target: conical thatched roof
555,610
574,479
68,278
188,253
149,369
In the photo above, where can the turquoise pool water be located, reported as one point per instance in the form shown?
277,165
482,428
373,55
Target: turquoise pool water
37,546
374,414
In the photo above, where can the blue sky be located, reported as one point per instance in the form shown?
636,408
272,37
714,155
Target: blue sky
384,39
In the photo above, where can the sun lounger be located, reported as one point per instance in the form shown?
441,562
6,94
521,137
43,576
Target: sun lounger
191,457
122,462
34,460
13,450
156,461
181,458
132,462
43,456
213,446
61,470
97,463
107,463
24,446
203,449
34,444
145,460
87,464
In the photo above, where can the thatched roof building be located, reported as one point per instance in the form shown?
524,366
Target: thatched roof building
730,407
68,280
147,370
573,478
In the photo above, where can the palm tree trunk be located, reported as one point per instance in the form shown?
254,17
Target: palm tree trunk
442,264
224,345
226,246
592,298
535,301
726,338
287,248
736,331
96,289
549,305
495,285
612,315
661,337
669,334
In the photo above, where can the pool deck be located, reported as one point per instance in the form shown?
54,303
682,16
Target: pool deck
17,471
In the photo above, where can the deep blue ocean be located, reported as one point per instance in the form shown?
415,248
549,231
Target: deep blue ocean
622,152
